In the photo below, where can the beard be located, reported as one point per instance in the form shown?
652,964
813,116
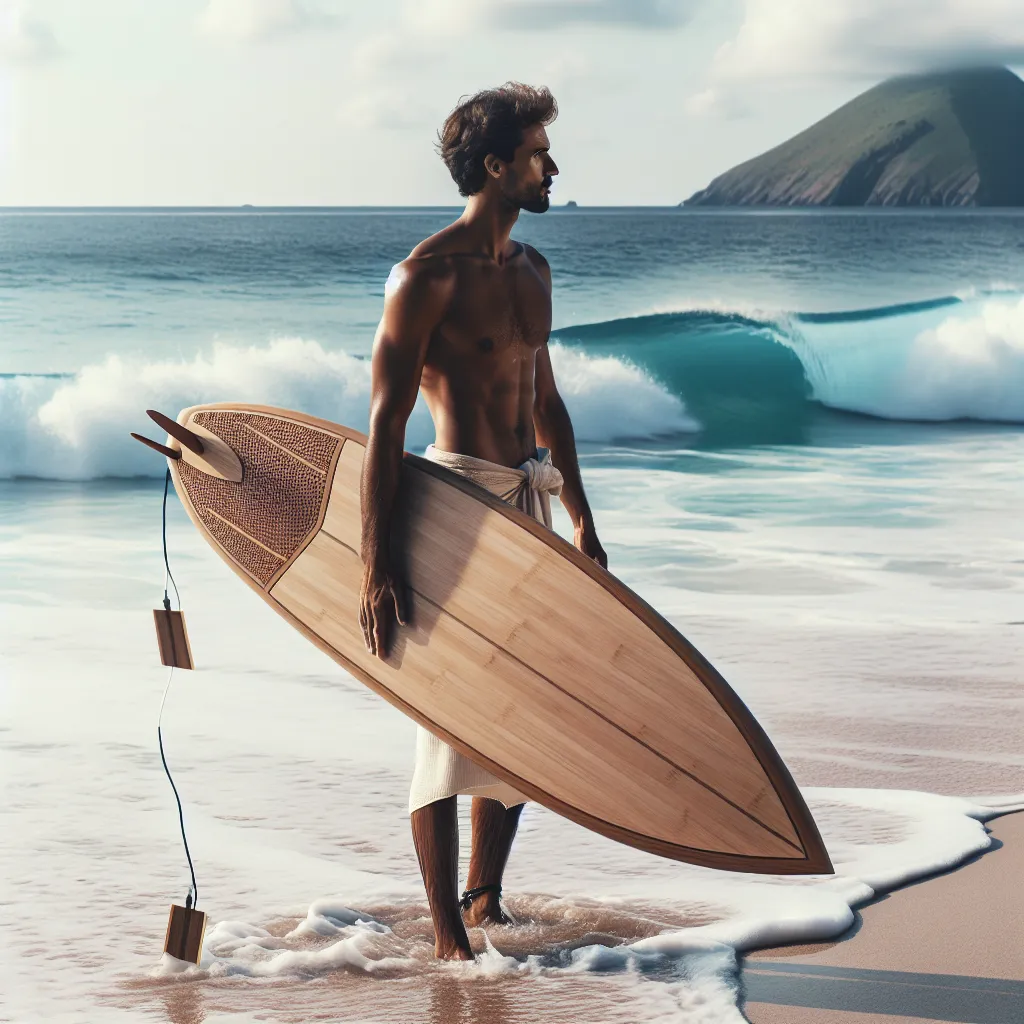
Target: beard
538,203
533,200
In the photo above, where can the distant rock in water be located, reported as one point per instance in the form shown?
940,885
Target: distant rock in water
572,205
953,138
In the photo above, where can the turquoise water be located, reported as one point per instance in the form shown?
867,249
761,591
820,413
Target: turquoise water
802,436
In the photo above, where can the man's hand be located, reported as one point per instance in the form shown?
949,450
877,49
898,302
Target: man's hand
586,540
381,596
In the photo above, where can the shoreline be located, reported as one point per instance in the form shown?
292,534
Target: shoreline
946,948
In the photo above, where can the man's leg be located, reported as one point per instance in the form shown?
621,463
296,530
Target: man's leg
435,834
494,828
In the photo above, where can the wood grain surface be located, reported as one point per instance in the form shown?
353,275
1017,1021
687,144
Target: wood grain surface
536,663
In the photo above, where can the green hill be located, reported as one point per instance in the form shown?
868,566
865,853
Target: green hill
953,138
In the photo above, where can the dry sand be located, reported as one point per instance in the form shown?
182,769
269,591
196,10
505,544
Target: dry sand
950,948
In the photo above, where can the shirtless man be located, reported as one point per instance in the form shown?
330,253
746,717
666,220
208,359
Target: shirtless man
466,321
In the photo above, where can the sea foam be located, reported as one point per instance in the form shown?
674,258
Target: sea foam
77,428
636,378
878,840
948,358
968,365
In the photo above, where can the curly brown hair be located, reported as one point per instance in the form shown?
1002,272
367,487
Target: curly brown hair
491,121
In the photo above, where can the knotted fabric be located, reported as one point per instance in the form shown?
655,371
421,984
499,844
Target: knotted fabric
528,486
441,771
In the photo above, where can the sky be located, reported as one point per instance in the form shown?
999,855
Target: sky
338,102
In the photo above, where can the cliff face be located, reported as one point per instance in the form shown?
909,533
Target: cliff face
954,138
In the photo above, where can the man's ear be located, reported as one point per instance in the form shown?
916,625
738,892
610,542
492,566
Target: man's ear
493,165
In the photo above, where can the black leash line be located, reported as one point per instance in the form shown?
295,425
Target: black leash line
192,899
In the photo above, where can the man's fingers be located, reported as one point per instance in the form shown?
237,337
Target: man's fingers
376,608
369,628
380,636
398,595
364,627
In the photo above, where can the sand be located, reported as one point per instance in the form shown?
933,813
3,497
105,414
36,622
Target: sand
950,948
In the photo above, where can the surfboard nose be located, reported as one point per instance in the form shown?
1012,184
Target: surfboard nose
258,485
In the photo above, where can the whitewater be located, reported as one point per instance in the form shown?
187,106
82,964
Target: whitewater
636,378
804,453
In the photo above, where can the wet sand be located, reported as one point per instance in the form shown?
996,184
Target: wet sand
950,948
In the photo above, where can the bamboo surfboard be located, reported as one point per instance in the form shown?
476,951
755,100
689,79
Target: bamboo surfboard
521,653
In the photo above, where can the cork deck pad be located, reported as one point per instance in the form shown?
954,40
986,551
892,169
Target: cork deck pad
521,653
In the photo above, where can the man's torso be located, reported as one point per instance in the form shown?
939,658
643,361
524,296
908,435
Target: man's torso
478,378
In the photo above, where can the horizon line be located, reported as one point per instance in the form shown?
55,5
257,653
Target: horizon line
252,208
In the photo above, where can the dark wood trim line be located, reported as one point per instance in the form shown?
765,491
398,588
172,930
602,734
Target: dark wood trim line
816,859
579,700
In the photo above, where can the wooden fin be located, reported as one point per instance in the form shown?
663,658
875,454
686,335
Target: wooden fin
187,437
171,453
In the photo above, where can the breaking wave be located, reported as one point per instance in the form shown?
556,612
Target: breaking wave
76,427
738,379
755,379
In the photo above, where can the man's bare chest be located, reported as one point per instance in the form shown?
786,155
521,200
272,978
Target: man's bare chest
500,312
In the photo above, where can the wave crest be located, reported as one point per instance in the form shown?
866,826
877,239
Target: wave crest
969,366
737,379
750,380
77,428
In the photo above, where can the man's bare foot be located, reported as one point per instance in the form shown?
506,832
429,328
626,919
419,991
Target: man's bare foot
452,951
485,909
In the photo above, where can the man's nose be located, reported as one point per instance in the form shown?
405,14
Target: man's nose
552,167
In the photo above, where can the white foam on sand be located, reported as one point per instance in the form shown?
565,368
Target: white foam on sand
878,840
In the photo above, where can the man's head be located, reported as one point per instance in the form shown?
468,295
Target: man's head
496,140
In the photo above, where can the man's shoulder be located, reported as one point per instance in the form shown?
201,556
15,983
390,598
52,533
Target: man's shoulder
533,254
440,246
538,261
420,274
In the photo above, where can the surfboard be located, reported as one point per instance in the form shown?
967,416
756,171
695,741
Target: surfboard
521,653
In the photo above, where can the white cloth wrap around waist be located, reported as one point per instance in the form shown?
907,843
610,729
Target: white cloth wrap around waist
529,487
441,771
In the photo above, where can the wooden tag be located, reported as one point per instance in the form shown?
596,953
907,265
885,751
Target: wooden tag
185,931
172,639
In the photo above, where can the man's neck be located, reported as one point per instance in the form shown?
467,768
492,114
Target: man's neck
489,221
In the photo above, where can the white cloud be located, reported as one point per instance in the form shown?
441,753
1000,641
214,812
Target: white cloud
390,109
24,39
400,79
380,71
543,15
716,103
785,42
394,55
791,39
535,14
259,19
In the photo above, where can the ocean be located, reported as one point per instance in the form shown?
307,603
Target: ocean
801,433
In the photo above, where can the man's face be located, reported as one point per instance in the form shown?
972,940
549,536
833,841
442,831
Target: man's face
527,183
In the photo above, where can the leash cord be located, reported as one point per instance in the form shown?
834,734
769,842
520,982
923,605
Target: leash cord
192,899
167,564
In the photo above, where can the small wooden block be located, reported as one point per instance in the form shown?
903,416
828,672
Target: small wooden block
185,931
172,639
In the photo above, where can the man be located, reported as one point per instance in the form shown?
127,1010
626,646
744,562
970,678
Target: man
466,321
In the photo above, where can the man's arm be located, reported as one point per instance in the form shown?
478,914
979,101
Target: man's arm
413,307
554,430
